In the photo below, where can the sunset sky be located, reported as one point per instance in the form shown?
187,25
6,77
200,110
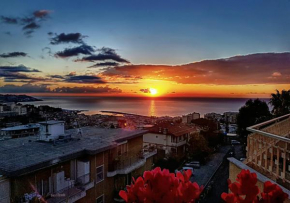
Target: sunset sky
149,48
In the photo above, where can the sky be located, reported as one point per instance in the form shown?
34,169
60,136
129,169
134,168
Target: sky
169,48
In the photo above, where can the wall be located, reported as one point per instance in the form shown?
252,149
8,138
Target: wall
234,170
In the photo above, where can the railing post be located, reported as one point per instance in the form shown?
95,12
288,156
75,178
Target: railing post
284,163
271,161
278,160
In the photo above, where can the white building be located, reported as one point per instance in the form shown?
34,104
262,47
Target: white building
51,130
169,138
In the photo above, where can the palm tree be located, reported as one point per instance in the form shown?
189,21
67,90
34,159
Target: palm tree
280,102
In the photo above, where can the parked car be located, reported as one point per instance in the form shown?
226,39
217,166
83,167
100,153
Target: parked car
193,164
235,142
184,169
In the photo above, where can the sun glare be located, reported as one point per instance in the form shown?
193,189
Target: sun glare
153,91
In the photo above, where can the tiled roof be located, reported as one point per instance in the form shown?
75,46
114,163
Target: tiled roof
175,129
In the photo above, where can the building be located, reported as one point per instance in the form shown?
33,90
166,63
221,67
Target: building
268,153
51,130
169,138
213,116
31,129
231,117
91,166
189,117
20,109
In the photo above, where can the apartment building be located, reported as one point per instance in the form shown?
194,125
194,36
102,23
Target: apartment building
31,129
189,117
169,138
268,153
82,165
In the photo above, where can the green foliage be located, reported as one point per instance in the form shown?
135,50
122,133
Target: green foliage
280,102
253,112
170,163
198,147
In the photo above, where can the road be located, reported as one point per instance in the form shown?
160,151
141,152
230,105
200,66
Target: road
203,175
218,182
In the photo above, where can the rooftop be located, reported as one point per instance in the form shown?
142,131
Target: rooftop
25,155
175,129
21,127
51,122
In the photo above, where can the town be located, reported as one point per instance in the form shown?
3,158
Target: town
65,155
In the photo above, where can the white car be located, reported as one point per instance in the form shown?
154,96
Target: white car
193,164
235,142
185,168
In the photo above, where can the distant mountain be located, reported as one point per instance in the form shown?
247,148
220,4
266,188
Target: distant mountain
17,98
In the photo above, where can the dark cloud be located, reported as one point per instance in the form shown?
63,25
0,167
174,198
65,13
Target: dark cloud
30,88
67,38
41,13
28,33
31,26
27,20
75,51
13,54
50,33
105,64
26,88
84,79
20,68
264,68
103,57
56,76
9,20
20,77
87,89
16,74
147,90
8,33
47,50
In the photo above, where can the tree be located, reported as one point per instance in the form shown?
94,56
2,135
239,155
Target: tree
253,112
280,102
198,147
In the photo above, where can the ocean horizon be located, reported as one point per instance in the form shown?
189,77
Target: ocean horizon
173,106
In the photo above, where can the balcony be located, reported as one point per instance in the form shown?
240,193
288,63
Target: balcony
268,149
128,164
73,192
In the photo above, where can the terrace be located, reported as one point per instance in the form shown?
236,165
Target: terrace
268,149
126,165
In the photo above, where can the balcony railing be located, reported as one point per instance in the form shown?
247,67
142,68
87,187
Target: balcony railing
72,192
125,165
268,149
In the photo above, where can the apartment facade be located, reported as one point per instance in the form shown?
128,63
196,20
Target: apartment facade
90,167
169,138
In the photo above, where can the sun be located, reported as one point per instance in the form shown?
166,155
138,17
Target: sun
153,91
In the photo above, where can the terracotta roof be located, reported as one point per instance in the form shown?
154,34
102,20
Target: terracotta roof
175,129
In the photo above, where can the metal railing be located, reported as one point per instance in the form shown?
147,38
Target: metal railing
84,179
71,190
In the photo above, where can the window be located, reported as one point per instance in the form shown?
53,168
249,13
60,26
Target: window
100,199
122,149
100,174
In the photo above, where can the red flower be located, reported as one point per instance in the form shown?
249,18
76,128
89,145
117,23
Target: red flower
162,186
273,193
246,191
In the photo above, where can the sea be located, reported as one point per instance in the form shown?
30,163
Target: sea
144,106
